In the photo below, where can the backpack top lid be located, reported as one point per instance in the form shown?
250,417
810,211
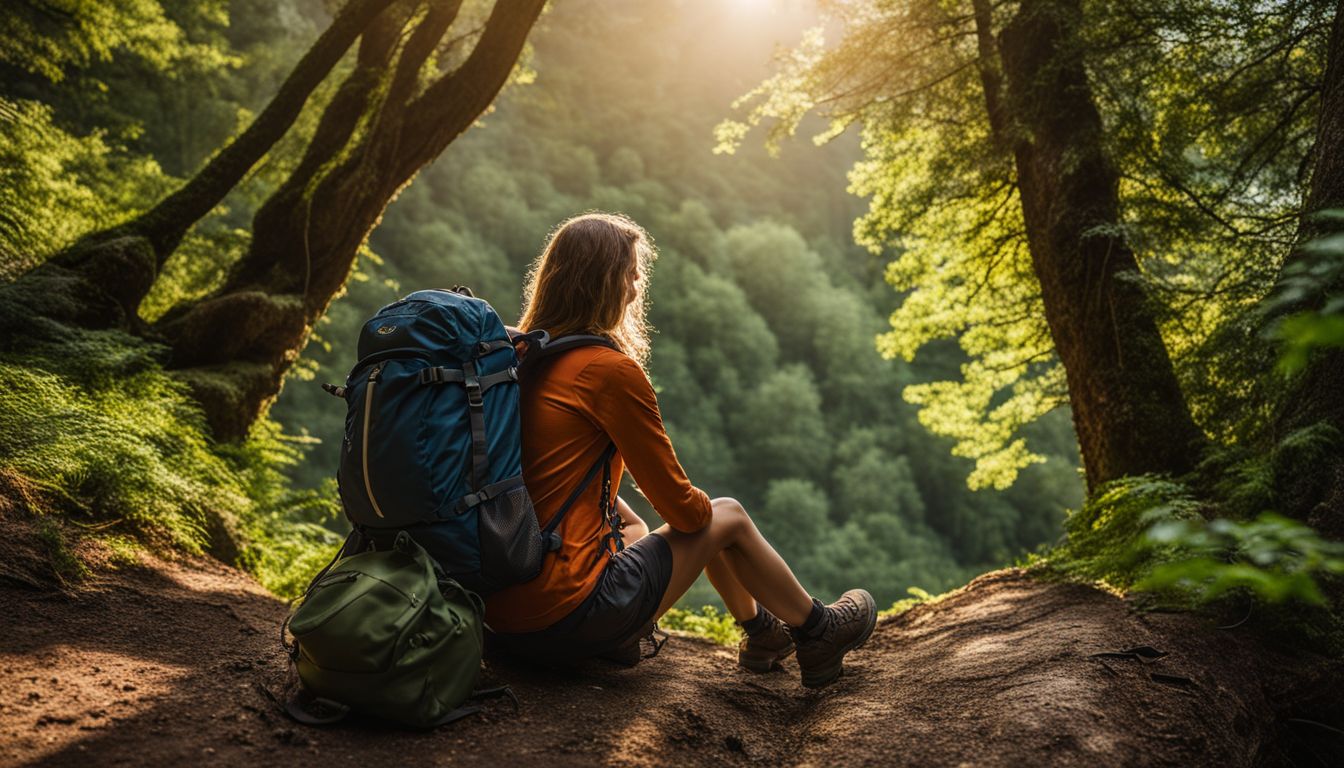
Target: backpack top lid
440,325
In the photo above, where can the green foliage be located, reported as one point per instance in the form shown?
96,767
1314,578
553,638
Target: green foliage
120,449
48,37
1272,557
1312,279
288,531
65,564
61,185
130,451
1104,541
1303,333
1148,534
1209,111
794,517
147,90
917,597
708,622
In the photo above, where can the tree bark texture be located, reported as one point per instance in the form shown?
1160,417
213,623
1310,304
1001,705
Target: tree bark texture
235,346
1128,410
112,261
1314,491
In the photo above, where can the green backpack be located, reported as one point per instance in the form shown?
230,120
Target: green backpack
385,634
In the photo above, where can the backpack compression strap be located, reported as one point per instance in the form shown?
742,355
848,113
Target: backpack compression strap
476,386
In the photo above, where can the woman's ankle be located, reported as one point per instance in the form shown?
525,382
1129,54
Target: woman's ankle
758,623
815,620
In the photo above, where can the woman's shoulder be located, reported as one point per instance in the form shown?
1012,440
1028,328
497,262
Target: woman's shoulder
605,360
605,369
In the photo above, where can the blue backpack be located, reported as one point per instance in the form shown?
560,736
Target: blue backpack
432,441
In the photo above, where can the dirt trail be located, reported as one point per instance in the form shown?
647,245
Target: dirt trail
160,666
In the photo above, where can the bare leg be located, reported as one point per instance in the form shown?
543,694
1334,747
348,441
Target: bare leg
736,598
736,556
739,601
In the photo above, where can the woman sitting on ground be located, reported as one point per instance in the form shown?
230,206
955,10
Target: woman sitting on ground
592,597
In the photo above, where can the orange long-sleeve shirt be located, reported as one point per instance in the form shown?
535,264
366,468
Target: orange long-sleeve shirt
571,409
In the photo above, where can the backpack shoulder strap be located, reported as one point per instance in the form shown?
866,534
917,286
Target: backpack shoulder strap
540,347
549,538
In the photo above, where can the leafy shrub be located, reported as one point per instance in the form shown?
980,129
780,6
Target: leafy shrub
1147,534
1104,540
708,622
118,446
1307,280
917,597
1272,557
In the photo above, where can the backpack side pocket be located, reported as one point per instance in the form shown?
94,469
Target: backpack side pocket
510,539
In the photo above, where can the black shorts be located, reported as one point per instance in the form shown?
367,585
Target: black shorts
619,610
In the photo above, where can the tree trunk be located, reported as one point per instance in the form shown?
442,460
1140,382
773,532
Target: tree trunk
123,261
1311,488
235,346
1128,409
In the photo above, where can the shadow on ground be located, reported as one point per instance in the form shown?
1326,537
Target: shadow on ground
163,664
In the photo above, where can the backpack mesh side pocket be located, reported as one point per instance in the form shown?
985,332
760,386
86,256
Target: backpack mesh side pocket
510,539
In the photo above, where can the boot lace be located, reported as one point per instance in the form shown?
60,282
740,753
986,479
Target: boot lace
845,611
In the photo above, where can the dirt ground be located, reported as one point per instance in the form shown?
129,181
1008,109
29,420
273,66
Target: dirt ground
161,665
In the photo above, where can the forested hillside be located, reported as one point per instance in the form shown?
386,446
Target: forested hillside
765,310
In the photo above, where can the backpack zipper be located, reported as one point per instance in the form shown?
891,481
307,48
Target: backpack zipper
368,412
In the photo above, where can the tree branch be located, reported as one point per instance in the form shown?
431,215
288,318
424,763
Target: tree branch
452,103
166,223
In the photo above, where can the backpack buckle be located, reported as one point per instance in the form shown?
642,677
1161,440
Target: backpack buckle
474,398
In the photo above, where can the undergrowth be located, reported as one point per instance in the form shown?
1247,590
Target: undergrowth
1156,536
119,453
708,622
917,597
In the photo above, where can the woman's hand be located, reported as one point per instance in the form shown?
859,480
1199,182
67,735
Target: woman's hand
633,527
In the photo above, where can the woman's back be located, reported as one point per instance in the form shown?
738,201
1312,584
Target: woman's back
572,408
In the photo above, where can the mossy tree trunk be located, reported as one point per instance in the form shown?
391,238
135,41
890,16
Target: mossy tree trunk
394,113
382,126
1316,493
120,264
1129,412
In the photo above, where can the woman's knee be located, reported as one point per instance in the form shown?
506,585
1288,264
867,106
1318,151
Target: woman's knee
730,514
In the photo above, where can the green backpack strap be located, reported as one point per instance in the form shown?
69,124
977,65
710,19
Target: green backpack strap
309,711
317,711
476,695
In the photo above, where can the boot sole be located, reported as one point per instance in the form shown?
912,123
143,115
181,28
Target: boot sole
762,664
820,678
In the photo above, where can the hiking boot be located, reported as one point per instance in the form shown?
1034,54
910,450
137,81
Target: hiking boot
769,645
844,626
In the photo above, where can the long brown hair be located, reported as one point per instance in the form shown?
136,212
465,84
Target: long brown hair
578,283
